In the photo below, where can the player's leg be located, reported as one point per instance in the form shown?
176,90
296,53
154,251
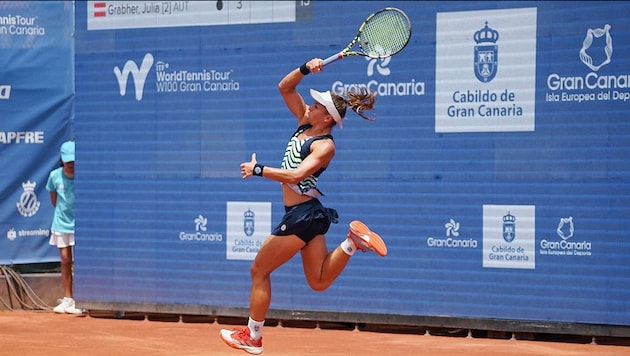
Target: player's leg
274,252
321,267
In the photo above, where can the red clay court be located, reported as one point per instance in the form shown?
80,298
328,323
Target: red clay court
44,333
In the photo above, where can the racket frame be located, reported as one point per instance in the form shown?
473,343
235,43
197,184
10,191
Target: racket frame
346,52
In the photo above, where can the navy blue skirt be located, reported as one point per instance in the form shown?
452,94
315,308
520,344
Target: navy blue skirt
306,220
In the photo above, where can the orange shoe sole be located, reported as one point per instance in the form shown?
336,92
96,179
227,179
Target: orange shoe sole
375,242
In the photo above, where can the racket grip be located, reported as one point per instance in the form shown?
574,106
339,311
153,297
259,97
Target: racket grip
333,58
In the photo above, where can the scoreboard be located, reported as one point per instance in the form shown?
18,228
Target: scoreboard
104,15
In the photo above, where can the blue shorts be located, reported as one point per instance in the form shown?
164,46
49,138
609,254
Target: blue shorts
306,220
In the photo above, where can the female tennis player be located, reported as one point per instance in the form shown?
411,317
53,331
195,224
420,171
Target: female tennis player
306,221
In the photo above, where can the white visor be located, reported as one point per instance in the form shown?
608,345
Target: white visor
326,99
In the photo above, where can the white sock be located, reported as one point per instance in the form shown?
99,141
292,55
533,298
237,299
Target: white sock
348,247
255,328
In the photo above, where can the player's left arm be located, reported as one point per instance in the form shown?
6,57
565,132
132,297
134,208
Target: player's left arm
322,152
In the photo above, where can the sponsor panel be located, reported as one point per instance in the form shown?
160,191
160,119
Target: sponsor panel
564,242
377,81
172,78
30,227
485,71
596,82
21,25
508,236
200,233
451,238
36,111
248,225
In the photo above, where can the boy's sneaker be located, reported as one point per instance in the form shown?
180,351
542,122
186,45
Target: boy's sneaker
63,305
67,306
366,239
240,339
72,309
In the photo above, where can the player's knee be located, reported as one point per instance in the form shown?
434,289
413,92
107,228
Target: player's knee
257,272
318,285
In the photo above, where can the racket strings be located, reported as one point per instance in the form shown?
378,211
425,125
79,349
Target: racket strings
385,34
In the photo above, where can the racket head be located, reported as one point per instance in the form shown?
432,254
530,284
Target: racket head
384,33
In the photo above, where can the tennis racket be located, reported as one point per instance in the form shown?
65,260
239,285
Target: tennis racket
383,34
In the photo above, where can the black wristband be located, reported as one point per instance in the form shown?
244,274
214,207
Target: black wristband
258,170
304,70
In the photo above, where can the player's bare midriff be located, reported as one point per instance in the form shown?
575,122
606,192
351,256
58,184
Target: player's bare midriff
291,198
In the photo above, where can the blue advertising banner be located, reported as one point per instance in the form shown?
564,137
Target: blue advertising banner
497,169
37,108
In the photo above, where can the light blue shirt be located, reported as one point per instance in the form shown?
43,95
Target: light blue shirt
63,219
